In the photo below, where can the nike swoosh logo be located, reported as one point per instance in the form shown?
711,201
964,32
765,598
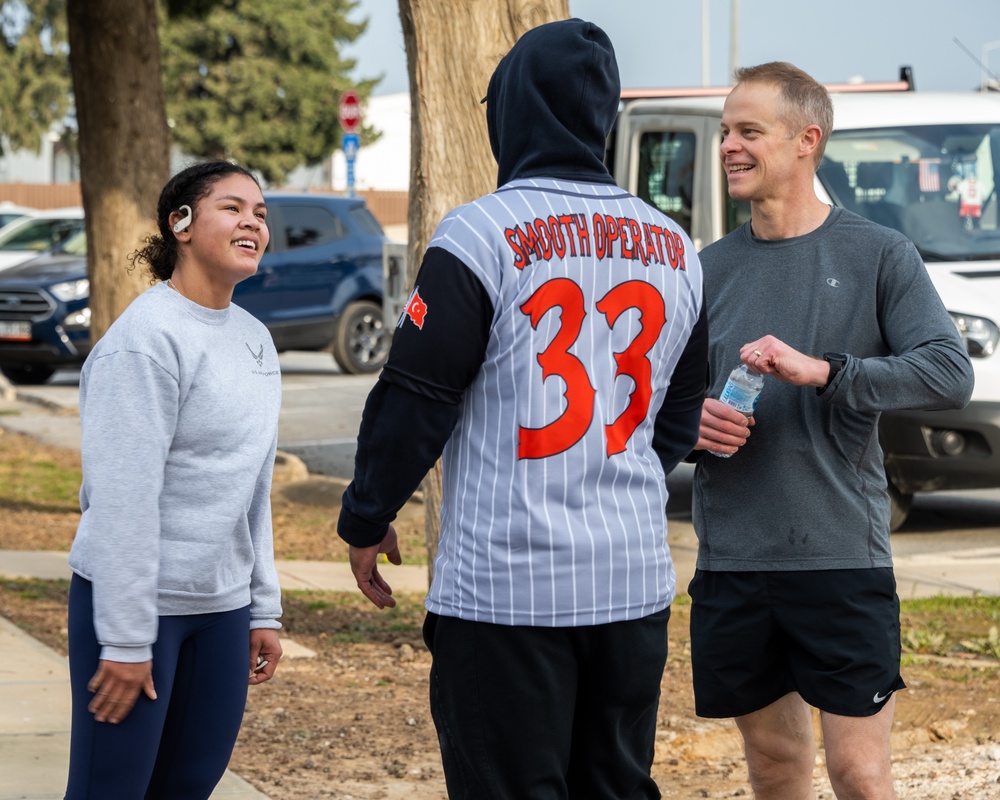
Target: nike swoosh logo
877,699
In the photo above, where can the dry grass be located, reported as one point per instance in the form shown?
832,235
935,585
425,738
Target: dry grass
39,489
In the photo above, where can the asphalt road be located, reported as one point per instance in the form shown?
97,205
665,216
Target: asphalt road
321,411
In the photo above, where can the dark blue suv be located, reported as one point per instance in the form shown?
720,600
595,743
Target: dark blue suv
318,287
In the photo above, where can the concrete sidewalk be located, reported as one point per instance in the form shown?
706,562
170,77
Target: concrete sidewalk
329,576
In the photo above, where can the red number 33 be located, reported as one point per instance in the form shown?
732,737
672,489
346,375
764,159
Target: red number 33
633,362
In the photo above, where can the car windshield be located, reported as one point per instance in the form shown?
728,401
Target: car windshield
936,184
8,216
75,245
39,235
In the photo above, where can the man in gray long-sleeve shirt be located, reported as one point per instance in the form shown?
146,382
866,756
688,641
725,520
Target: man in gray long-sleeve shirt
794,596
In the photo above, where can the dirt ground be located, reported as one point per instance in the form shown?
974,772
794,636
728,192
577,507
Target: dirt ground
353,721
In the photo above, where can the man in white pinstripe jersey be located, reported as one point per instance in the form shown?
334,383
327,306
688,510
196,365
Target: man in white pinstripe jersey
554,349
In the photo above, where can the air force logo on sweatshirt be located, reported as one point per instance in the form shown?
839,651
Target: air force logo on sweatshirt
258,356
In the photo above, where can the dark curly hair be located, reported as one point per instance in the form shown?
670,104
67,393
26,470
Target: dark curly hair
187,187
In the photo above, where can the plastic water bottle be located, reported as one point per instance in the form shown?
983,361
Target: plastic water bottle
741,392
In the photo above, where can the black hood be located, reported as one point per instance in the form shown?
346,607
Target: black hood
551,103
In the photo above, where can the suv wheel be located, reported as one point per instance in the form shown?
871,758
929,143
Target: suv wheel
362,342
27,374
899,507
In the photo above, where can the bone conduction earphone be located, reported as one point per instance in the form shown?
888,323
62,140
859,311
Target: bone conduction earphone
182,223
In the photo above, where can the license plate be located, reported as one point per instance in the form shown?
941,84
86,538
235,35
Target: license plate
15,331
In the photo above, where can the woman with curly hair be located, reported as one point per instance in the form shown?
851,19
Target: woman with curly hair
174,599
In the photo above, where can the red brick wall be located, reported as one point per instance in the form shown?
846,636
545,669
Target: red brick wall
389,208
41,195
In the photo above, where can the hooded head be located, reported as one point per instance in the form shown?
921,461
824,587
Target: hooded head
551,103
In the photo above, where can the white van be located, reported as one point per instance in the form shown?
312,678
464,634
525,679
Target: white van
924,163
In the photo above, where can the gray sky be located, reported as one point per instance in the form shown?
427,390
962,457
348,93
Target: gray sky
659,42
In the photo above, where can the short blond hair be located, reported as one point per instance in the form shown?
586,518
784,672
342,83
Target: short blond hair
805,101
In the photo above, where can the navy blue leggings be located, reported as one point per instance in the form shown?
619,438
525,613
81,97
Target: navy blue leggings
177,746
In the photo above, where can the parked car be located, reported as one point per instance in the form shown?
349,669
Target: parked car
318,287
36,233
9,212
44,315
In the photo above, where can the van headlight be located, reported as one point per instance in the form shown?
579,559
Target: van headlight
71,290
979,335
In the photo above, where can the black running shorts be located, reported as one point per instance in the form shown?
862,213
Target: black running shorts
830,635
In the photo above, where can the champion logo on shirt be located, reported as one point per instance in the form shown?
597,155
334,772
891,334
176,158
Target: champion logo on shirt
258,356
416,309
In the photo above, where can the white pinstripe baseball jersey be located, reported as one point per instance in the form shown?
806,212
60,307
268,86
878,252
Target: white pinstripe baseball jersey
554,498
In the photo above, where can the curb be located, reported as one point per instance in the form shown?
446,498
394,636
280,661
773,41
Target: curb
35,400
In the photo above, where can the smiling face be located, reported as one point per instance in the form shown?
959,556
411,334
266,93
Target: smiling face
759,152
228,235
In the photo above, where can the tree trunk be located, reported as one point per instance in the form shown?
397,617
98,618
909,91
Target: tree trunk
452,48
124,142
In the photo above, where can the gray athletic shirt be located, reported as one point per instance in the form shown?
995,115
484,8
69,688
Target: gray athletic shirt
179,410
808,490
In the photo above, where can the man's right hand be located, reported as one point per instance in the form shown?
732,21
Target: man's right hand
723,429
364,565
116,686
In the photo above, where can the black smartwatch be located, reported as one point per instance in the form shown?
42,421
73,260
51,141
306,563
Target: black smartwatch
837,361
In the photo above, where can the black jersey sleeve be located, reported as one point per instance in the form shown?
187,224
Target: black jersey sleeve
402,434
675,431
440,341
437,350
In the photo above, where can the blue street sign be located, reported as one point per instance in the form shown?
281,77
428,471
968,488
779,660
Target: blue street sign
349,144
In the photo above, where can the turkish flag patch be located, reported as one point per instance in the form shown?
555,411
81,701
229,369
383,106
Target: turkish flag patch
416,308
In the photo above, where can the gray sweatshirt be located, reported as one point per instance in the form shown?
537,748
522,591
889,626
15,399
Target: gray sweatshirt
808,490
179,411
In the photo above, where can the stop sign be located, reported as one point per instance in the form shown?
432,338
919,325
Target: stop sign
350,111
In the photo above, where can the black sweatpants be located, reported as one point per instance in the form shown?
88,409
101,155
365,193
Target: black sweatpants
547,713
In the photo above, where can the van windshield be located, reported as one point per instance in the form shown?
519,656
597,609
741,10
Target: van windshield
936,184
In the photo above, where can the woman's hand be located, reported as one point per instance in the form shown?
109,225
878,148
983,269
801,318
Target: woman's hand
265,650
116,686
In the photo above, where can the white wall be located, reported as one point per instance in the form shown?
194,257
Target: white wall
53,163
384,165
27,166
